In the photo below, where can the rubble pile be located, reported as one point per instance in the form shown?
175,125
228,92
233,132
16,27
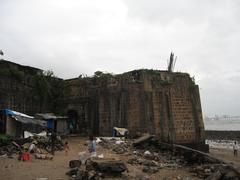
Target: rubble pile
8,150
153,155
11,146
153,161
216,171
118,145
96,168
202,165
75,163
43,143
107,166
142,152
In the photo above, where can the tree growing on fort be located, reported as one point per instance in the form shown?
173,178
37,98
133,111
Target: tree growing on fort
101,78
103,75
48,90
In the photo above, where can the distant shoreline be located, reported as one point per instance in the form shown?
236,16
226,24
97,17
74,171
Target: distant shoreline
222,134
222,125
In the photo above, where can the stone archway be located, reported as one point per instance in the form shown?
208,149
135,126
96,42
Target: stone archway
73,121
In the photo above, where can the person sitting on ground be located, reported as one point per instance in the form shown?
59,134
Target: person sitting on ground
235,149
66,148
32,147
92,146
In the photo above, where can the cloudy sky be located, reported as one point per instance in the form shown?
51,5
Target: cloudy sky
72,37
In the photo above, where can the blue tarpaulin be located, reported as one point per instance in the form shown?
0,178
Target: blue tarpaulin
23,118
50,123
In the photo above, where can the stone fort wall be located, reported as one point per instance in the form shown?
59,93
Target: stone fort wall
143,101
157,102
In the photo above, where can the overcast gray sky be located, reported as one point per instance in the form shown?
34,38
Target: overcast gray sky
72,37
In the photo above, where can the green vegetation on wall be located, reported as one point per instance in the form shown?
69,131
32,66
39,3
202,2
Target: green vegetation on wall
15,73
48,90
102,75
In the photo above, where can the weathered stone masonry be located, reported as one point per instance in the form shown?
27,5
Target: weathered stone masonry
159,102
16,87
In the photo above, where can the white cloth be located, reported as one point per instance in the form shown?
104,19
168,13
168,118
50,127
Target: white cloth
235,147
32,147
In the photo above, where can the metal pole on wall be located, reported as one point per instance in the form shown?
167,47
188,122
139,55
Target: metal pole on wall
53,135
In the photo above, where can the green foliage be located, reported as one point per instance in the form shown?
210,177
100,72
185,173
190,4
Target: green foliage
48,74
4,139
48,89
151,71
101,78
17,74
102,75
98,74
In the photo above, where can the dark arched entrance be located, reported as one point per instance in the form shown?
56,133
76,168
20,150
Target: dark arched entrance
73,121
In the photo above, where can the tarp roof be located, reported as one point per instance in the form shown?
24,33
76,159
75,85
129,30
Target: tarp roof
23,118
11,112
121,131
47,116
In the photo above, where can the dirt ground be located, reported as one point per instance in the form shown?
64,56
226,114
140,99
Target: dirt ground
227,156
12,169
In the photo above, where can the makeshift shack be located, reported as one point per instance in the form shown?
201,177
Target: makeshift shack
57,123
13,123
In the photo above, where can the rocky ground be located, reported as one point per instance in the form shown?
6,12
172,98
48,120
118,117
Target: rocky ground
140,163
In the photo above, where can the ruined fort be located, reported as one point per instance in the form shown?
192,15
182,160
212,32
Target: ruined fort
163,103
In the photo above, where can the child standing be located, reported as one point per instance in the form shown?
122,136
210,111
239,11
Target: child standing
66,148
92,146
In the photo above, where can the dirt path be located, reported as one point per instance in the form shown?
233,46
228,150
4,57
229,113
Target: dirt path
227,156
13,169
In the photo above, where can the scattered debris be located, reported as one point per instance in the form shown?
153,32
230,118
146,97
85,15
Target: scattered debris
72,171
106,165
120,149
100,156
150,169
142,140
118,145
202,164
146,153
44,156
43,146
96,168
75,163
